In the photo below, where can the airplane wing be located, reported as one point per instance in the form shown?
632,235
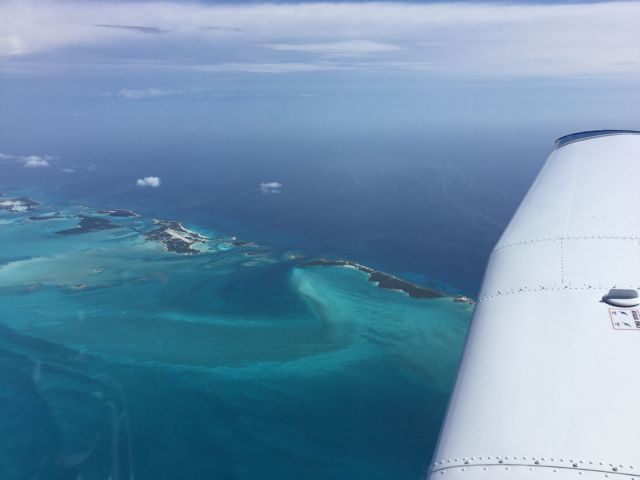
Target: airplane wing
549,384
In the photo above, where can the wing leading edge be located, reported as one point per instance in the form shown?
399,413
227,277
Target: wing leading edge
549,383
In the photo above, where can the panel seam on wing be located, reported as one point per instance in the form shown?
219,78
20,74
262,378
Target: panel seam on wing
613,470
542,288
563,238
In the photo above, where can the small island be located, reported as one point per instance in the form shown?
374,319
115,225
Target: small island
463,299
21,204
175,237
242,243
50,216
118,213
89,224
383,280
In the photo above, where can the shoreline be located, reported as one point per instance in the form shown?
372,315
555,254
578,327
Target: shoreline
381,279
388,281
176,238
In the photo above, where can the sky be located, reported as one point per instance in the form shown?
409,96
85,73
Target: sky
434,40
487,59
481,40
141,44
71,71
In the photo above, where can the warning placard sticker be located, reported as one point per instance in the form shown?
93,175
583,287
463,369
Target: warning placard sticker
624,319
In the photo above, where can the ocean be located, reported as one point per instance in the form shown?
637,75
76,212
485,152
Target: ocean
121,359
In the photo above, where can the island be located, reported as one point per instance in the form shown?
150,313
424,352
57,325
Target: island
383,280
89,224
21,204
49,216
242,243
463,299
118,213
175,237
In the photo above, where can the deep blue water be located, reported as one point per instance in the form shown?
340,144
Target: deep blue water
424,204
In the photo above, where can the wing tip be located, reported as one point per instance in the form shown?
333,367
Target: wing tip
589,134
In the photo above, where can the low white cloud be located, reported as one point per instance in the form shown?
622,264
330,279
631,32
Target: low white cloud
279,67
145,93
153,182
28,161
134,28
68,170
353,48
270,187
36,161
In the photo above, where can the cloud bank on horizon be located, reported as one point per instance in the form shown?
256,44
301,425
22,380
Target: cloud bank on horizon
446,39
132,94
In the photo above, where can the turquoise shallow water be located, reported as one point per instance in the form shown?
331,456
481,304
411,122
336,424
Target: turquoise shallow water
122,360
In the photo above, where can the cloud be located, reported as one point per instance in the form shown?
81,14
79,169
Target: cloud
29,161
452,39
35,161
352,48
153,182
270,187
145,93
134,28
280,67
221,29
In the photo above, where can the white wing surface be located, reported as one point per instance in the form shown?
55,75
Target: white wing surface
549,384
